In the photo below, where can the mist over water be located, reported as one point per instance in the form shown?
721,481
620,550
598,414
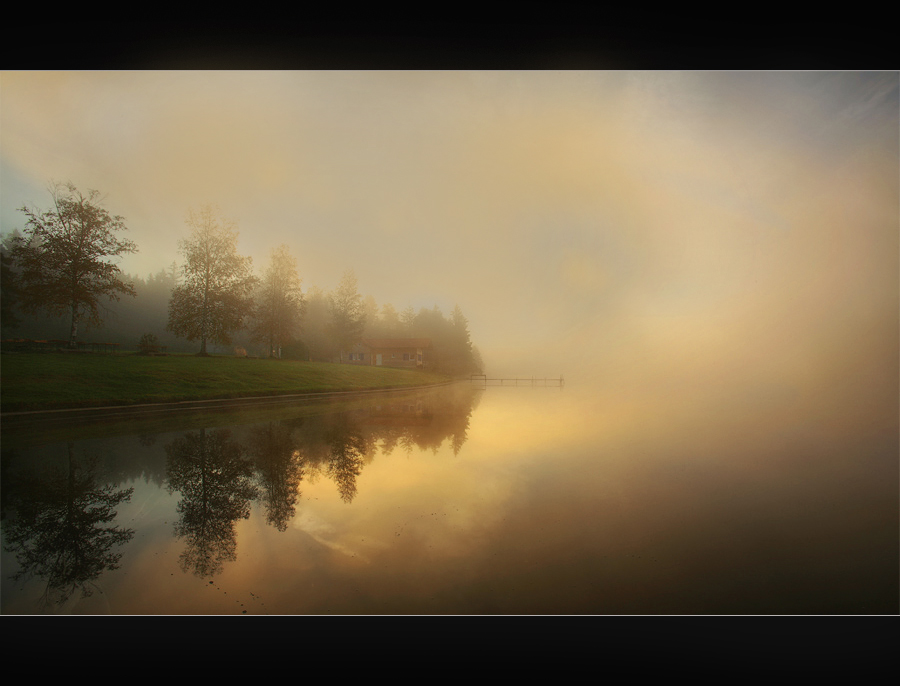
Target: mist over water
468,500
711,260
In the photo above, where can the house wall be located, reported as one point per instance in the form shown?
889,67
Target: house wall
367,357
390,357
393,357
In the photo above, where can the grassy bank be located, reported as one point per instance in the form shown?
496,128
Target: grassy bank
43,381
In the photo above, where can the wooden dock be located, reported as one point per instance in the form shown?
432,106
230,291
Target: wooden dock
520,381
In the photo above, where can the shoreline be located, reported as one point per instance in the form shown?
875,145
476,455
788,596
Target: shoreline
191,405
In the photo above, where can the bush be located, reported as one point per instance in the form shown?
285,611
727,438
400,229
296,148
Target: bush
148,344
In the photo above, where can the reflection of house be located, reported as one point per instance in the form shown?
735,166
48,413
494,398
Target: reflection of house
390,352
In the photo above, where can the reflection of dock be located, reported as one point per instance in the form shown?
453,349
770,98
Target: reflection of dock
520,381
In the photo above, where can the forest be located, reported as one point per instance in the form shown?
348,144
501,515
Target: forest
60,284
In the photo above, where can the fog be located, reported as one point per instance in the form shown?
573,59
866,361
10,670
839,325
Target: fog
731,238
710,259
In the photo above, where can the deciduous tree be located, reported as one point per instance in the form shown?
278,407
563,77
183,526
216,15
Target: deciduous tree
8,292
348,319
316,318
64,257
279,304
215,294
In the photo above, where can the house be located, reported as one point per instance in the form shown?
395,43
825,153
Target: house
390,352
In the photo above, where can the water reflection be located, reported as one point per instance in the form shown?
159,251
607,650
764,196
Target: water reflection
467,501
279,470
214,478
59,526
54,517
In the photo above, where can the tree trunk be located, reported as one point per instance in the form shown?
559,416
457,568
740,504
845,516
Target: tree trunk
73,332
204,314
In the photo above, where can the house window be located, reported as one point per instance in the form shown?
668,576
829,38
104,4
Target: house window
406,357
420,357
393,356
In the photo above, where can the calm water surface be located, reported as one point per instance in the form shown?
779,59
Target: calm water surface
457,500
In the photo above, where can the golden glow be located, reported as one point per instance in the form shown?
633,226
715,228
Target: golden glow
628,222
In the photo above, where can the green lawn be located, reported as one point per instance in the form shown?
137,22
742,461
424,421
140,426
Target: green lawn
42,381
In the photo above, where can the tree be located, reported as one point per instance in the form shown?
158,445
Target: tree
460,344
407,319
8,292
477,361
64,257
348,319
370,311
390,321
316,318
432,324
280,303
215,293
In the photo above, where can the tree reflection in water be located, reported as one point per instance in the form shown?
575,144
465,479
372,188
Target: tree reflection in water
215,479
59,522
279,469
348,449
58,530
340,444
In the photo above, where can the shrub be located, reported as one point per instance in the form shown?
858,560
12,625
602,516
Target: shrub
148,344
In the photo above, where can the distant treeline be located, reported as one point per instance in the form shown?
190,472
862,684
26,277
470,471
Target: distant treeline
59,273
125,322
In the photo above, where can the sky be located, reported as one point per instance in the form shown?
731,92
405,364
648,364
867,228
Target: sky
664,228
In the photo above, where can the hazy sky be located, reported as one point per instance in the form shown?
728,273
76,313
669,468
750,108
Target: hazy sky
654,225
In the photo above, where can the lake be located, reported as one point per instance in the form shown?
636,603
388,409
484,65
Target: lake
455,500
